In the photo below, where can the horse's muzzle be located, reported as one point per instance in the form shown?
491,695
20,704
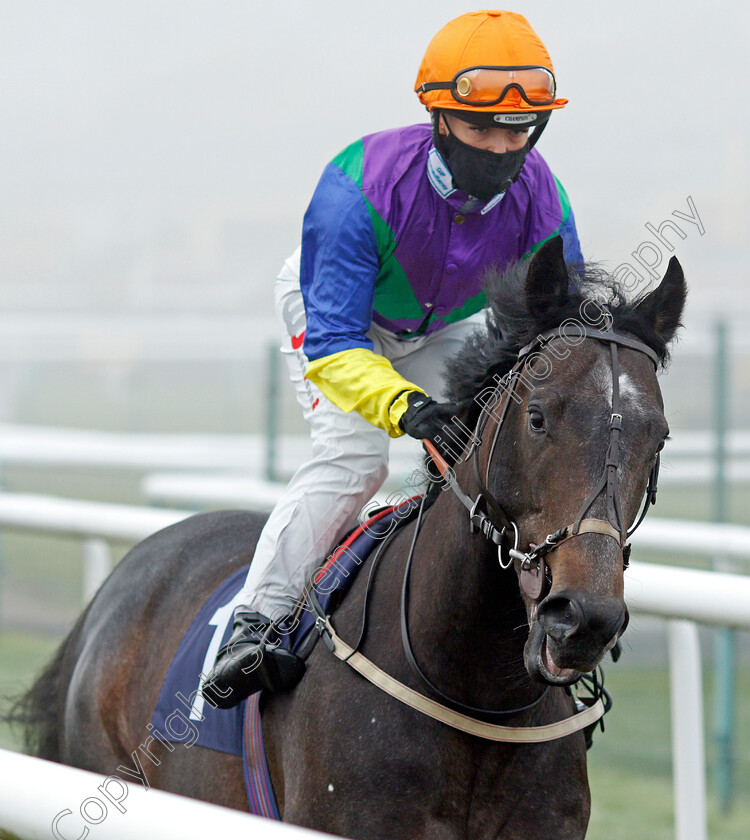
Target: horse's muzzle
570,634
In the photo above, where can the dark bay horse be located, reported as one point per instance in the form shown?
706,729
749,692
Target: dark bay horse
345,757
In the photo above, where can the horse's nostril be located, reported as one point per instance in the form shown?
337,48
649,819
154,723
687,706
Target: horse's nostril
560,617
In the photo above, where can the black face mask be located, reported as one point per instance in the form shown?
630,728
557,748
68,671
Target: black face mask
479,172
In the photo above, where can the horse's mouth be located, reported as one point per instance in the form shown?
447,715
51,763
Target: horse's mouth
544,658
570,633
549,670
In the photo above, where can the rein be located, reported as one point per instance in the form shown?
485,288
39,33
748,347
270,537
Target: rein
533,576
456,720
412,660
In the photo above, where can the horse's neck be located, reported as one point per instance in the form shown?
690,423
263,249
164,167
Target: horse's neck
467,619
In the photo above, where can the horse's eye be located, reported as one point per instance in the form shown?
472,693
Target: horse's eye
536,421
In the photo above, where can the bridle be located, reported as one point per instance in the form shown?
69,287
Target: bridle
498,527
533,568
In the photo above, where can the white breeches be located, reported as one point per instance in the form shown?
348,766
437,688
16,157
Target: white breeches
349,455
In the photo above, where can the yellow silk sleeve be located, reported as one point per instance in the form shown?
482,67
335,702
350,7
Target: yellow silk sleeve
362,381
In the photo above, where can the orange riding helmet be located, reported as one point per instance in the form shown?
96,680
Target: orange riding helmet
489,66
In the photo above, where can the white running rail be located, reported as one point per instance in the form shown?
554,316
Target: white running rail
687,460
40,800
683,596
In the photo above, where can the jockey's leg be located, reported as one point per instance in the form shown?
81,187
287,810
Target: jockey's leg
324,497
321,503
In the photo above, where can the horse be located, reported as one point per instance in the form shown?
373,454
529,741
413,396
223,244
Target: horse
504,608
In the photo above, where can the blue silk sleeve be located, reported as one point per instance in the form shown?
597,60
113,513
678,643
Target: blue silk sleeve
339,267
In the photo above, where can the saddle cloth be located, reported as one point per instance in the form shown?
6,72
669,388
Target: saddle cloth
183,716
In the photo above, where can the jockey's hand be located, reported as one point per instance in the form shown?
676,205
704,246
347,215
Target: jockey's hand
426,418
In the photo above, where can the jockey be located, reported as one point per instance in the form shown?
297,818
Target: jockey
387,285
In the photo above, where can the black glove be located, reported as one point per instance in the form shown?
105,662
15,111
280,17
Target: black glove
425,418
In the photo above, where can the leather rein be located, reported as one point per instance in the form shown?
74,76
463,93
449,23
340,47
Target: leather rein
533,573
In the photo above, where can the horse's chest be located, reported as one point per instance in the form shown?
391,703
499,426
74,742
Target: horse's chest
386,775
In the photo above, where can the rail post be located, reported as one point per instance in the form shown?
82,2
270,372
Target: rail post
97,564
724,639
688,751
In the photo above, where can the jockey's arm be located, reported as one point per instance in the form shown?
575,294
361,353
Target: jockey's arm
339,268
363,381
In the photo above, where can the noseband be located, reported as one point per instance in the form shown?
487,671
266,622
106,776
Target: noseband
533,568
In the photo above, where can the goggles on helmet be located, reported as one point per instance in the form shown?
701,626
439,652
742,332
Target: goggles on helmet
490,85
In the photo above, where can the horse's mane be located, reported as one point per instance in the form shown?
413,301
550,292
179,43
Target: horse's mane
510,325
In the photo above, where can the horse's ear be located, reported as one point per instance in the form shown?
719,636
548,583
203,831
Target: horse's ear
547,279
664,306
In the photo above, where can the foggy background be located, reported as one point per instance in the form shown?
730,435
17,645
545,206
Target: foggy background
156,159
158,156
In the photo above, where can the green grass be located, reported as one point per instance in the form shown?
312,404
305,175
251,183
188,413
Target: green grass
626,805
630,763
40,575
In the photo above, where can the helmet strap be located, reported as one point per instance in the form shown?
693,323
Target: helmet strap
438,139
538,129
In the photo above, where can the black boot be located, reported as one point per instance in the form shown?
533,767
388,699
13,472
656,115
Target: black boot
250,661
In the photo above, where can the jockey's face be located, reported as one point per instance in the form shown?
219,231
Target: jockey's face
496,140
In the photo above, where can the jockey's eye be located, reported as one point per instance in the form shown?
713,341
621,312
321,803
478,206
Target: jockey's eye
536,421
